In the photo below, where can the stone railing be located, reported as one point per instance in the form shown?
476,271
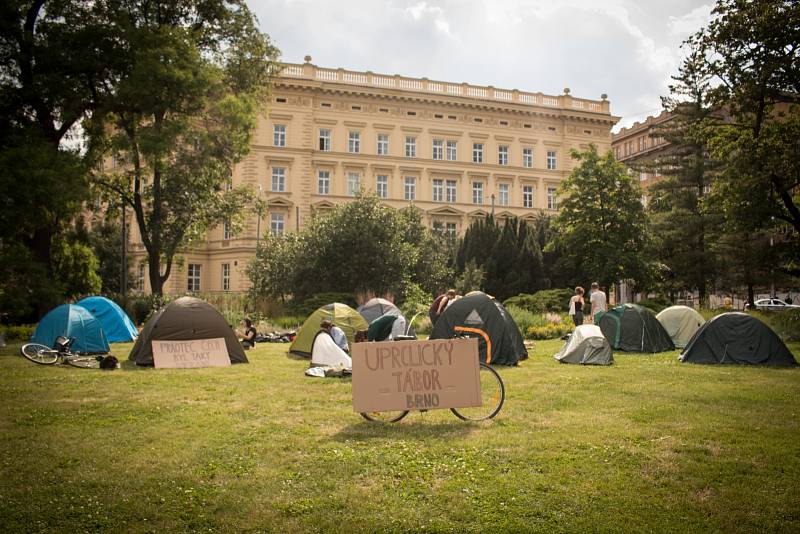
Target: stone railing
423,85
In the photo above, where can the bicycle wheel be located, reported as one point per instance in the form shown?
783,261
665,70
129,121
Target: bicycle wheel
84,361
38,353
493,394
384,417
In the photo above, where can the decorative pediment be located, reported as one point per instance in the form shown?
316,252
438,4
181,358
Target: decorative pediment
504,215
279,202
445,211
323,205
279,161
479,213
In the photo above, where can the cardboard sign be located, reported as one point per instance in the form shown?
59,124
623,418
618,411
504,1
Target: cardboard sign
192,353
415,375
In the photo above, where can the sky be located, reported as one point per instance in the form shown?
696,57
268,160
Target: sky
627,49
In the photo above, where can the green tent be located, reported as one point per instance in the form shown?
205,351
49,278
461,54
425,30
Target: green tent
632,328
680,322
342,315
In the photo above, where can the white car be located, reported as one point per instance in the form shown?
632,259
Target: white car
773,305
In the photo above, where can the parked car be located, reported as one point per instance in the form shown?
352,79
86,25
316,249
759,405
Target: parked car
773,305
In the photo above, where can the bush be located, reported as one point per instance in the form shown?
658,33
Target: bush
548,300
18,333
141,307
288,322
655,304
785,323
550,331
524,318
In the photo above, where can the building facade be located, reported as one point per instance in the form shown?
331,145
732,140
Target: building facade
455,151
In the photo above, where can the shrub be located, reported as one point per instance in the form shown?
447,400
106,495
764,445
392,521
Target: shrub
656,304
785,323
550,331
548,300
18,333
288,322
524,318
141,307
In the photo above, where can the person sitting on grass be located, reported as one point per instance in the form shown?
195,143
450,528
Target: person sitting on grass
249,335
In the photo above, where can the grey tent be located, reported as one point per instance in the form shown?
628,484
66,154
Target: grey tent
185,319
737,338
680,322
377,307
588,346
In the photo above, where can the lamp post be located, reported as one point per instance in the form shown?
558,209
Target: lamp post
259,209
492,197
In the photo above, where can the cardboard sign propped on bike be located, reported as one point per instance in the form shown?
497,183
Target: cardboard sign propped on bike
190,354
416,375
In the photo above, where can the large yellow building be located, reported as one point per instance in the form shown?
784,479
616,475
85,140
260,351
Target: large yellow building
455,151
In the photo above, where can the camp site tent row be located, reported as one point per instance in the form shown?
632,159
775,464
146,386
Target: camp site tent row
588,346
342,315
94,322
737,338
630,327
479,315
680,322
186,319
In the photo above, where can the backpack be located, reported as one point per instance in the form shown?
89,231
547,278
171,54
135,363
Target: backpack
109,362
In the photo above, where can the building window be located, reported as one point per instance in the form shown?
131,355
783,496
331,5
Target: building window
411,147
354,143
438,227
383,144
452,150
552,201
502,155
140,278
477,192
527,157
193,277
527,196
278,179
438,149
450,191
279,135
502,190
477,152
438,190
226,276
276,225
325,140
353,180
551,160
382,186
450,230
226,230
324,183
410,188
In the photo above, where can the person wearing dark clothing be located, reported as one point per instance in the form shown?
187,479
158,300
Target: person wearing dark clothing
249,336
440,304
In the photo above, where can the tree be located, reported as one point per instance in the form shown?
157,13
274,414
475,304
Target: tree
602,225
680,225
752,49
57,65
362,247
181,116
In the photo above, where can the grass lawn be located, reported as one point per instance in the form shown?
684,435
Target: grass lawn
648,444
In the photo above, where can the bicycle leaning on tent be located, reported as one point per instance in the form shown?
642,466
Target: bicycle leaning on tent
44,355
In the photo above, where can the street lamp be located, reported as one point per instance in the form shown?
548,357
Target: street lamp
259,209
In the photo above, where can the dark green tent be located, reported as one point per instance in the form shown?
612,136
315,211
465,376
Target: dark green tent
632,328
737,338
478,315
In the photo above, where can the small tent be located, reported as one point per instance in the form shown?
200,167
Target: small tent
185,319
632,328
588,346
737,338
326,353
680,322
342,315
478,315
116,324
71,320
377,307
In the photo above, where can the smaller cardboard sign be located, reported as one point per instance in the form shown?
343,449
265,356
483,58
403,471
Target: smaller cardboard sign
191,353
415,375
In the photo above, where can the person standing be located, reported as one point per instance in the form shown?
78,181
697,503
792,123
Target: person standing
576,306
440,304
336,333
598,300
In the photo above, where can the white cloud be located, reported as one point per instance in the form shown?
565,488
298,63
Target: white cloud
690,22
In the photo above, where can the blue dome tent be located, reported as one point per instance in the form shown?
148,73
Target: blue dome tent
71,320
116,324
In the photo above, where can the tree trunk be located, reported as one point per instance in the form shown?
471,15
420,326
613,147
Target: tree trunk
751,302
153,268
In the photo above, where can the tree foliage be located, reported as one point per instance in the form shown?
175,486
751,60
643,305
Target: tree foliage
181,117
508,256
360,247
602,227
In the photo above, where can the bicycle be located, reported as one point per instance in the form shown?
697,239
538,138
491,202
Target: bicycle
44,355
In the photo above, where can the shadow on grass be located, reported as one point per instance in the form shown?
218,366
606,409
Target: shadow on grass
408,428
